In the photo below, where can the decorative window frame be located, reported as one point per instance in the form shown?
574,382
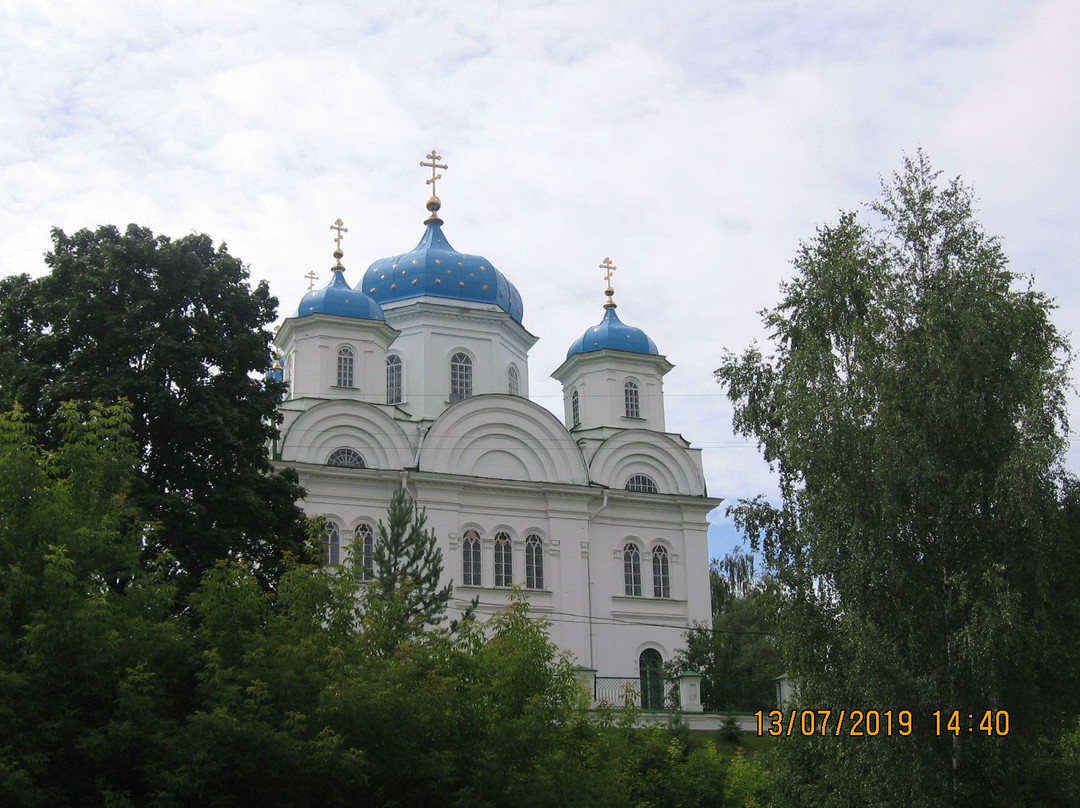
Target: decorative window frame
395,367
632,398
472,565
460,366
631,554
639,483
346,367
513,380
349,455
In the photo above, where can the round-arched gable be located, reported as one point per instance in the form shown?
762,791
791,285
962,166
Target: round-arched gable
639,451
505,437
343,423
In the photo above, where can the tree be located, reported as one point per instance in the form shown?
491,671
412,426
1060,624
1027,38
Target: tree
173,327
405,596
737,652
925,539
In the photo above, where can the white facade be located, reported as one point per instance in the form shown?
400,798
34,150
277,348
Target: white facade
542,504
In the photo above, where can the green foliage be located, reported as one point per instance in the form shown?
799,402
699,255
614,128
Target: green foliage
925,542
112,696
737,654
405,597
173,327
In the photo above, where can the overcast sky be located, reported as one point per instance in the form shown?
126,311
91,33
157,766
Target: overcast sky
696,143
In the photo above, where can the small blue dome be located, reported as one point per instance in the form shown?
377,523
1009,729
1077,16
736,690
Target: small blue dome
612,333
435,269
340,299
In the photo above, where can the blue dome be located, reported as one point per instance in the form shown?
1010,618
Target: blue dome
612,333
435,269
340,299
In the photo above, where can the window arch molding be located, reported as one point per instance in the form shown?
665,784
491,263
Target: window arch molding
642,484
471,557
631,560
461,366
346,366
535,557
660,557
364,533
346,457
631,398
332,540
503,551
395,379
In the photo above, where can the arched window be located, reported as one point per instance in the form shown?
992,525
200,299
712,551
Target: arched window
650,663
632,569
393,379
504,565
661,580
513,381
346,457
333,544
460,377
575,409
534,562
630,399
365,544
470,559
345,358
642,484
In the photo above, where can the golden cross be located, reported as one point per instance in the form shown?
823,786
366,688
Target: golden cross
610,267
311,276
434,158
337,225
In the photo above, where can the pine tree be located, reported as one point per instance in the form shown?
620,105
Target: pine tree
405,596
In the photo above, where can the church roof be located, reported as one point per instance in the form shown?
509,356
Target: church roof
435,269
612,333
340,299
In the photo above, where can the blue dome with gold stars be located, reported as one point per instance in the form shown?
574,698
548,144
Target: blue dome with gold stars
612,333
340,299
435,269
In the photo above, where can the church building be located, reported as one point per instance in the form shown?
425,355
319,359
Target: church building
416,374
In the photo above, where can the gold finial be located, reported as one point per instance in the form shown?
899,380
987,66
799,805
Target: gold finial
341,230
311,276
609,268
433,203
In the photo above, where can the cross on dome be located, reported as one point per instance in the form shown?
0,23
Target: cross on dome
341,231
433,203
609,269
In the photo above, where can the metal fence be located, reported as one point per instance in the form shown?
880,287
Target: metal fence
644,692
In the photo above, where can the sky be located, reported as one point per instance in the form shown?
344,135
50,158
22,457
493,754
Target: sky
695,143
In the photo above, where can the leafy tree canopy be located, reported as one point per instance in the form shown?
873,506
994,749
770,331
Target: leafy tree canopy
173,327
926,537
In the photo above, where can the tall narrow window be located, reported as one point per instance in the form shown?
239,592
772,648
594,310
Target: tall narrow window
652,690
632,569
534,562
333,544
393,379
575,409
630,398
504,565
365,536
661,580
642,483
513,381
346,457
470,559
345,358
460,377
